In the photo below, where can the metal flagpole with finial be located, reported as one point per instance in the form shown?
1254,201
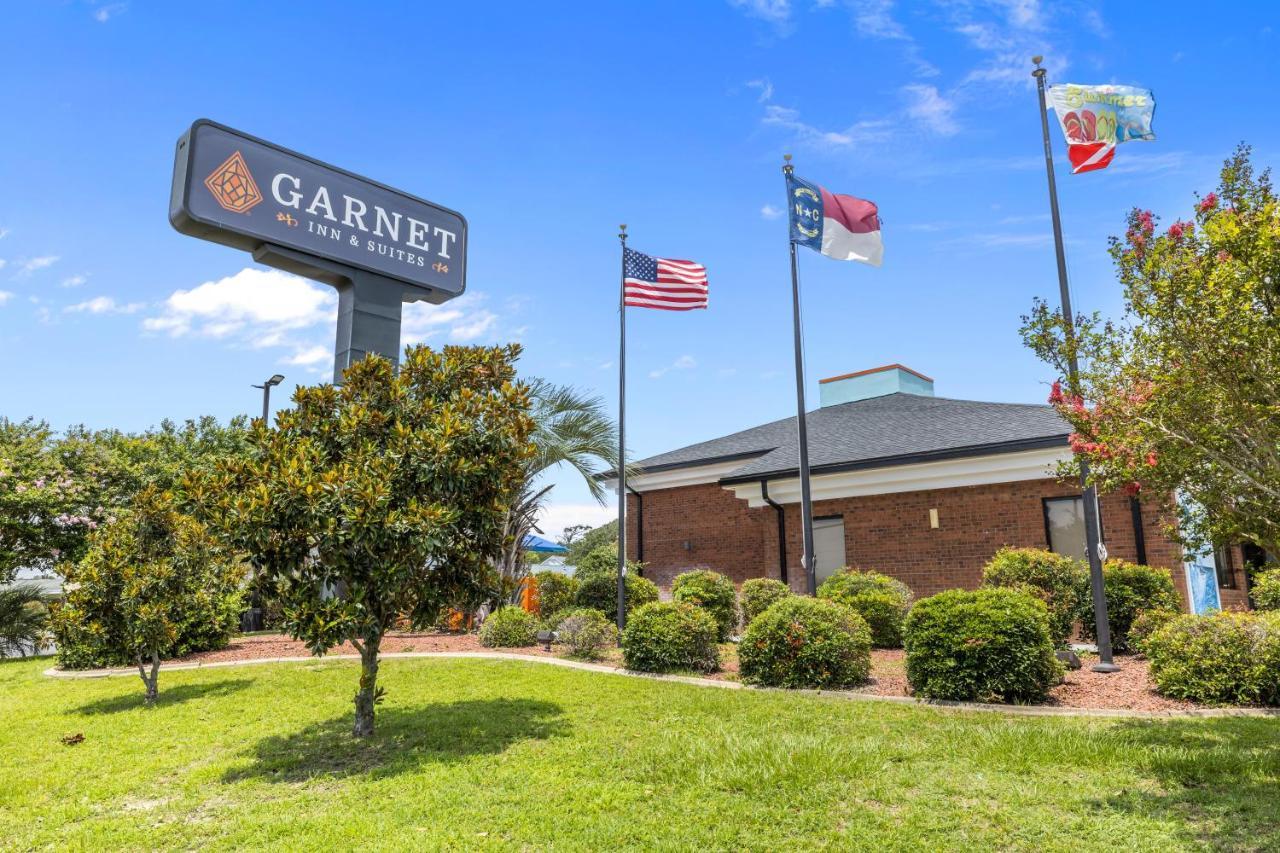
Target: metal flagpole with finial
622,435
802,432
1093,541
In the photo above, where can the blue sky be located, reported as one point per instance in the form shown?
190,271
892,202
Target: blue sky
547,125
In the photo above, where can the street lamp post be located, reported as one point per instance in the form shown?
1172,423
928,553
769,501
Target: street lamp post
266,394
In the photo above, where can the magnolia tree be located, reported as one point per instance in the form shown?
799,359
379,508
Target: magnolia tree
149,578
380,499
1183,394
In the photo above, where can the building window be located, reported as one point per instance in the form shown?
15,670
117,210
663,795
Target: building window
1064,526
828,546
1226,574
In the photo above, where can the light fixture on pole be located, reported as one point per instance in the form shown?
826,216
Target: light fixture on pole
266,394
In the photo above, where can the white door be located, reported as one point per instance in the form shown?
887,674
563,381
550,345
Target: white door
828,546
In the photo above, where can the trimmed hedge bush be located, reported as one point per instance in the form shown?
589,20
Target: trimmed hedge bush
1221,658
508,628
806,642
714,593
881,600
670,635
586,632
1130,588
1146,623
759,594
600,592
556,592
1055,579
1266,589
985,645
604,561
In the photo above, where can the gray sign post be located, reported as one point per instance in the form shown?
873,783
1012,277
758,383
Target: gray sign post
378,246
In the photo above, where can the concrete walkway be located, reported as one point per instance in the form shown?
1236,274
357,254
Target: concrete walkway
1011,710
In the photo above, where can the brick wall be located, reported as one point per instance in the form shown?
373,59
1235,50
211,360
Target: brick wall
706,526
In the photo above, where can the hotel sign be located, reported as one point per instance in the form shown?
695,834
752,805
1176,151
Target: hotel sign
235,189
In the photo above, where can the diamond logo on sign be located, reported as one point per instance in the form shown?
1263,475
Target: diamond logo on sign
233,186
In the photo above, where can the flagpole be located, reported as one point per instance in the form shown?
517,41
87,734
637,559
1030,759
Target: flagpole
622,433
802,431
1093,543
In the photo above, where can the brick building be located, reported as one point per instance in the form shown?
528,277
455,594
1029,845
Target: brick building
919,487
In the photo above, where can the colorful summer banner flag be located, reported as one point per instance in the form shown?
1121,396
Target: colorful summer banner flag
839,226
1095,119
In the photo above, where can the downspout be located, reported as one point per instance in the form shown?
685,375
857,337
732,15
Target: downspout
782,530
1139,537
639,523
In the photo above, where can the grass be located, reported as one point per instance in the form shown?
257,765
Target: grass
511,755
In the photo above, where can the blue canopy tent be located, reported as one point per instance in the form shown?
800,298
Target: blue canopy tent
542,546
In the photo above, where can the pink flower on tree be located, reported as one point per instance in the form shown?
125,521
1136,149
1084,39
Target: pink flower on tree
1209,202
1055,393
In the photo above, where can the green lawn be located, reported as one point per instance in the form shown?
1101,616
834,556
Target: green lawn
511,755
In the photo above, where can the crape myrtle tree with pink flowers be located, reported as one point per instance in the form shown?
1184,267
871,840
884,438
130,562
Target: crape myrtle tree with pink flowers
1182,394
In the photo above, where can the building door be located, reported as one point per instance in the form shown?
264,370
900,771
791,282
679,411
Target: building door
828,546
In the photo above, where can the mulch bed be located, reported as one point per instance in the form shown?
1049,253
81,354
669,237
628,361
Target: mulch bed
1129,689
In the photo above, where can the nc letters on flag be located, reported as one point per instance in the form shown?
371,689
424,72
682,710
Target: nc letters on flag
1095,119
838,226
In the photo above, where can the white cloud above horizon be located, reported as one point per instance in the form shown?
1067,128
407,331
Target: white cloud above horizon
684,362
30,265
74,280
554,517
104,305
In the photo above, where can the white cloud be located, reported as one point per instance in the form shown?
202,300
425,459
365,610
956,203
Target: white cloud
310,356
765,87
5,296
4,232
605,365
460,320
931,109
104,305
776,12
30,265
106,13
2,263
874,19
684,362
770,212
554,517
261,303
856,134
74,281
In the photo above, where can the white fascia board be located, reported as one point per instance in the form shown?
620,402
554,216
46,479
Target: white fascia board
917,477
676,477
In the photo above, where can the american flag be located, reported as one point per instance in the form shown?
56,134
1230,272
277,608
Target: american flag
650,282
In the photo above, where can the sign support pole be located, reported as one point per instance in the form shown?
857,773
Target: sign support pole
622,436
1093,541
807,562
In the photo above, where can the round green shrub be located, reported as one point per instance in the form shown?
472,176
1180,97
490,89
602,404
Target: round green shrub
711,591
1146,623
670,635
556,592
1055,579
759,594
1130,588
986,645
508,628
603,561
586,633
600,592
1266,589
881,600
1220,658
806,642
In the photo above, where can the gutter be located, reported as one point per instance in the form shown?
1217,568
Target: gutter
782,530
639,523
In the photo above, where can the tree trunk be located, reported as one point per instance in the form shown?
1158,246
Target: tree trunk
368,693
150,680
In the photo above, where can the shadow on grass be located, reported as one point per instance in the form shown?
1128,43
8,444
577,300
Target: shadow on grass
1218,779
404,738
168,696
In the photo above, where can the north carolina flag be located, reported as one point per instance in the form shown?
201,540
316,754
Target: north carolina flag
839,226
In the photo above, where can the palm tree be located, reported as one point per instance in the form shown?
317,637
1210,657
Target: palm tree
24,620
570,428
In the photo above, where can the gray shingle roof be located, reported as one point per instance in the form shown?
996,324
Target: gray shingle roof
893,429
